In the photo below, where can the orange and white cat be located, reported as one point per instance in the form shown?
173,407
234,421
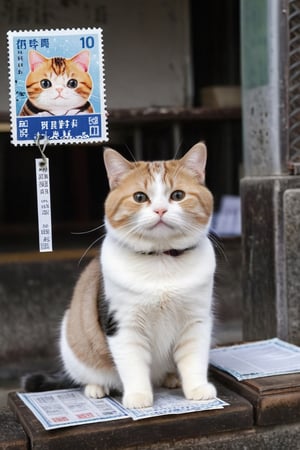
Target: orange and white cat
58,86
141,313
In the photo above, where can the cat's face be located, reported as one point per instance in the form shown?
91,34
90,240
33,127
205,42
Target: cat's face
156,206
58,85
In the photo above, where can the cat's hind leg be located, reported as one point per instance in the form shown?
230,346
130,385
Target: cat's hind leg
171,381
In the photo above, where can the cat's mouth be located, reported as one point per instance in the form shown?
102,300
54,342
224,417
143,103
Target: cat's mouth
58,96
160,224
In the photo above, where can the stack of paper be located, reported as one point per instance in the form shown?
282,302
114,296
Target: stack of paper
64,408
257,359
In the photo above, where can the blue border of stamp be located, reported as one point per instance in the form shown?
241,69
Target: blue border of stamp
70,128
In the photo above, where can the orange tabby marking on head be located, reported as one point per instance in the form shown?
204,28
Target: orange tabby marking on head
120,204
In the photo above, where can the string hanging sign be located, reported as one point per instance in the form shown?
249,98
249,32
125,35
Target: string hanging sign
43,196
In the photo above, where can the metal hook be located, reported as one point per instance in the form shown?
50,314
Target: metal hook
42,147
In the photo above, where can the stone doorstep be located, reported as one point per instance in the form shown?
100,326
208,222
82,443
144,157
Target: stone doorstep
4,390
171,430
263,401
276,399
12,435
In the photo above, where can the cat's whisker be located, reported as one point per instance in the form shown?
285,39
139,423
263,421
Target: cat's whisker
178,149
183,228
217,244
131,153
89,231
89,247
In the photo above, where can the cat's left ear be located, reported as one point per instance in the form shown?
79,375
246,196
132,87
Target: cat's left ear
195,160
82,59
116,166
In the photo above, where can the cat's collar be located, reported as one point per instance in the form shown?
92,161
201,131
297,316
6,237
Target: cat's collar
172,252
36,110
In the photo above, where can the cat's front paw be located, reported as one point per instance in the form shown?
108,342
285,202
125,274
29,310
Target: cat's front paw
205,391
135,400
94,391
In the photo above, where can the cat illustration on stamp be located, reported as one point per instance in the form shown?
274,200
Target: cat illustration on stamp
58,86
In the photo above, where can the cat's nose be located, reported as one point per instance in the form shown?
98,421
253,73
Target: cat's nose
160,211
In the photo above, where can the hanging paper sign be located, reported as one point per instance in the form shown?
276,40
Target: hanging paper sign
57,86
43,204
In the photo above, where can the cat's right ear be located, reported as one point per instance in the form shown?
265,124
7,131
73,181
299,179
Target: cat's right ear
35,60
116,166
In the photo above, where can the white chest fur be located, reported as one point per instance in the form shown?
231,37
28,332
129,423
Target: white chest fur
159,297
155,278
161,291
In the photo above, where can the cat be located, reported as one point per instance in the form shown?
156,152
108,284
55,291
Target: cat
141,313
58,86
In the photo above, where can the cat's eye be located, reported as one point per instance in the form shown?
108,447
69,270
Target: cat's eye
177,196
140,197
45,83
72,83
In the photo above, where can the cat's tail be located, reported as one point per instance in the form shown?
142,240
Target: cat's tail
42,381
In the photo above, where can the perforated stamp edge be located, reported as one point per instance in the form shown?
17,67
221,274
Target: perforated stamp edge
31,121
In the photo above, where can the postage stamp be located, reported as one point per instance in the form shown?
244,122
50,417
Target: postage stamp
57,88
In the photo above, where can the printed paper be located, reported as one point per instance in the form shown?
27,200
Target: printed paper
69,407
258,359
168,401
43,204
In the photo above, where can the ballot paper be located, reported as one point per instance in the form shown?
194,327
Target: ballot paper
257,359
168,401
69,407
